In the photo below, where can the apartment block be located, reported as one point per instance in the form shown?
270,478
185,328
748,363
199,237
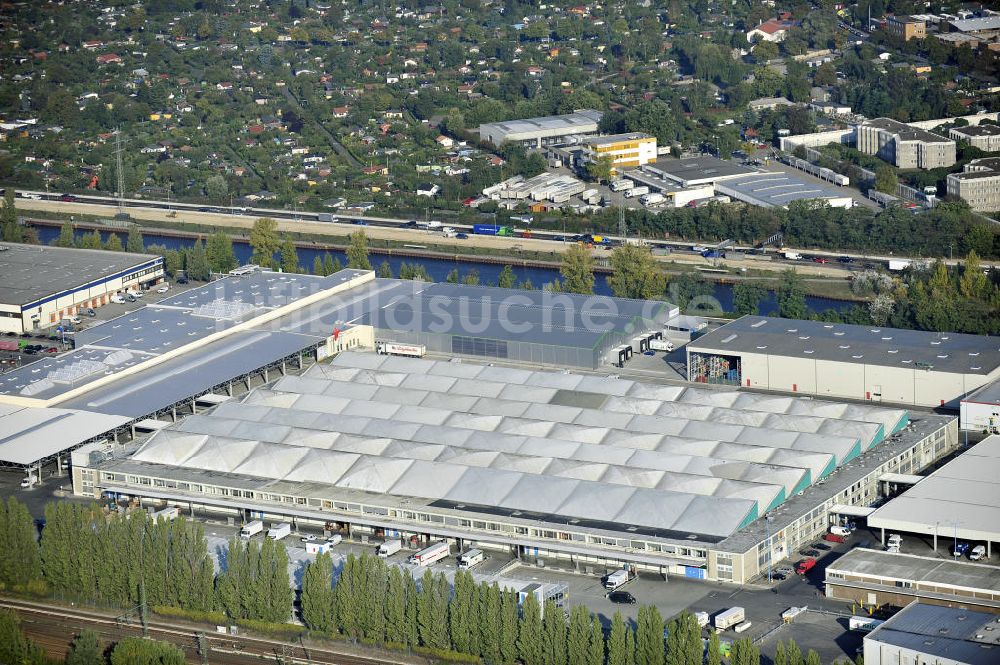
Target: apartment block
904,146
985,137
906,27
625,150
978,185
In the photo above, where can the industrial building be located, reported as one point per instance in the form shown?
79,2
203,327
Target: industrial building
978,184
924,634
777,189
984,136
674,195
555,187
884,579
40,284
592,469
959,502
904,146
695,171
624,150
845,361
979,411
539,132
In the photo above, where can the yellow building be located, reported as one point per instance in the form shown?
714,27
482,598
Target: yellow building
625,150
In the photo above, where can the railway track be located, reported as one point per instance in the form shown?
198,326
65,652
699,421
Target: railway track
53,627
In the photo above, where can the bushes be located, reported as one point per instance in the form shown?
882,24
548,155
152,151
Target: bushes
218,618
275,629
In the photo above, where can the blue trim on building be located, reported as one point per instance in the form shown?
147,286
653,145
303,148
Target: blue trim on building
158,261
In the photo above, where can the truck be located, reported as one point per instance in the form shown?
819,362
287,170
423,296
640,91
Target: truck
661,345
449,232
898,264
326,217
430,225
793,256
492,230
701,618
251,529
633,192
804,566
397,349
430,554
729,618
621,185
168,514
279,530
743,626
389,547
617,579
860,624
651,199
470,558
590,196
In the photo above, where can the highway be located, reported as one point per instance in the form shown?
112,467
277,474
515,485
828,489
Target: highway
534,239
53,627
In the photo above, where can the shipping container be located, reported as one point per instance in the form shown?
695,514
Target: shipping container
251,529
729,618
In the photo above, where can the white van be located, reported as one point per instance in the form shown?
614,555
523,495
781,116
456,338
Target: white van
840,530
895,539
978,552
118,299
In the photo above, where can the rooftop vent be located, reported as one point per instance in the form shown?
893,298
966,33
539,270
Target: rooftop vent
886,339
762,347
808,351
893,351
793,330
803,336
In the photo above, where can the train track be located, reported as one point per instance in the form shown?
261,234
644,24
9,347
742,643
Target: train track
53,627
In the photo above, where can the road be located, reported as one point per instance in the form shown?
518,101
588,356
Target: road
406,231
53,627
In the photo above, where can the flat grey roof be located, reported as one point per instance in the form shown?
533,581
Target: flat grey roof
30,273
976,24
956,635
542,317
691,170
988,394
931,571
569,122
615,138
962,498
868,345
906,132
778,189
30,434
984,129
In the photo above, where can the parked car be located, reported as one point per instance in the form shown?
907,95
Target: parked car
181,280
785,570
68,198
834,538
978,552
777,577
622,598
163,289
88,311
821,546
309,538
52,349
809,552
462,236
845,259
820,259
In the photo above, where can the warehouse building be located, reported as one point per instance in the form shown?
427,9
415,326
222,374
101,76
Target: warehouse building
541,327
978,184
695,171
960,502
980,410
624,150
777,189
884,579
923,633
903,145
40,285
590,469
845,361
539,132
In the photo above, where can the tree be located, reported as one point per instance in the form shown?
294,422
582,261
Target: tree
599,170
11,230
452,277
114,243
21,562
747,297
791,296
635,273
216,187
886,179
793,653
577,270
85,650
66,237
173,262
714,653
357,251
91,240
221,257
744,652
617,642
765,51
554,635
812,658
649,637
330,265
318,265
780,656
318,610
196,263
15,648
508,626
141,651
133,242
974,283
684,645
289,256
529,632
595,645
264,241
507,278
471,278
385,270
432,612
395,607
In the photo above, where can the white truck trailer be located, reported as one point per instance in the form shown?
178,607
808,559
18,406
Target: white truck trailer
251,529
636,191
389,547
279,530
729,618
429,555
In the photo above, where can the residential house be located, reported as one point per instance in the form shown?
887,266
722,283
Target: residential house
774,30
428,189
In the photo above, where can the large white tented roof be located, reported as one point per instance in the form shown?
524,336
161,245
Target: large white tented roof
558,447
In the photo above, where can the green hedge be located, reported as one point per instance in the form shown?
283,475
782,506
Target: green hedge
216,618
277,629
446,655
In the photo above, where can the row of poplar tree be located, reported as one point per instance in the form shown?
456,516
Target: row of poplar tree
123,560
381,604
